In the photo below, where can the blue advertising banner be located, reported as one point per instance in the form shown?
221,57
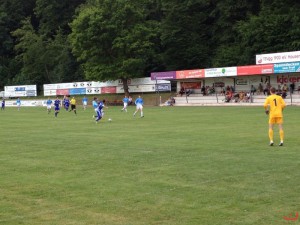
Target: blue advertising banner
292,67
77,91
163,87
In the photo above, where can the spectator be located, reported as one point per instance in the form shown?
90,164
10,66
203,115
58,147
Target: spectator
292,87
260,88
253,89
181,92
203,90
228,96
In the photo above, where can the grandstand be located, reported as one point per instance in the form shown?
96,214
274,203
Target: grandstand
219,100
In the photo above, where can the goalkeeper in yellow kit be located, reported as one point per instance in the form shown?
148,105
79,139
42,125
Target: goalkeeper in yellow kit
274,106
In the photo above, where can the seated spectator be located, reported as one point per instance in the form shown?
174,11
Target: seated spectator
188,92
236,97
228,96
241,96
283,94
181,92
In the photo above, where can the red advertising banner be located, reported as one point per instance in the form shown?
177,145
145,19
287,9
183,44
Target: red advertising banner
186,74
108,90
62,92
191,85
255,69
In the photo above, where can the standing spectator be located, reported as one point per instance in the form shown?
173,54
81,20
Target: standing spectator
84,102
253,89
73,105
18,103
139,106
125,103
260,88
274,105
292,87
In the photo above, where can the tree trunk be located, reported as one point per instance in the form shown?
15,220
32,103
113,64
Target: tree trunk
125,86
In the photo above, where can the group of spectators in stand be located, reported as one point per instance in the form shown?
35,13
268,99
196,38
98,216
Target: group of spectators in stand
244,96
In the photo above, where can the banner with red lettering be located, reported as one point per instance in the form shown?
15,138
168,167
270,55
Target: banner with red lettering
191,85
255,69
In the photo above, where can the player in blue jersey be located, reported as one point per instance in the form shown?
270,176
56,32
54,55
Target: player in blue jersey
125,102
139,106
18,103
3,104
95,105
84,102
56,106
100,110
66,103
49,105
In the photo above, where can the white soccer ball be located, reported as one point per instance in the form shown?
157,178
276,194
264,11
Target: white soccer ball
109,119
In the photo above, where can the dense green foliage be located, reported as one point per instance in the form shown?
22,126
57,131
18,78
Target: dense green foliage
46,41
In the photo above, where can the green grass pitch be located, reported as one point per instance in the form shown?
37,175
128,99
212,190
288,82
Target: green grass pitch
175,166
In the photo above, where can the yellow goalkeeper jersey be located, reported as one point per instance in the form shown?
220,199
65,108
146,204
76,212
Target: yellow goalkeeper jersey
276,104
73,101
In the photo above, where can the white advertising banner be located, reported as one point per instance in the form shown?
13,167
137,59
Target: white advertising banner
144,81
20,91
278,57
137,88
221,72
49,92
93,91
25,103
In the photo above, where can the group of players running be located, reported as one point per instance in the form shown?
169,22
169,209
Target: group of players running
96,104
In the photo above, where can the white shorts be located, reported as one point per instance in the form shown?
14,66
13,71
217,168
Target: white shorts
125,104
139,106
18,104
48,106
85,103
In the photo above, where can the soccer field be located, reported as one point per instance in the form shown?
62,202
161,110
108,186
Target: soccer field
175,166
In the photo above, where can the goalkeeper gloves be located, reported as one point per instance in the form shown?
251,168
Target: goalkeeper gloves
267,112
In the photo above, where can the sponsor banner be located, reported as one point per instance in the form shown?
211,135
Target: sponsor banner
143,81
65,85
221,72
219,84
170,75
186,74
77,91
93,91
26,103
241,81
191,85
278,57
105,84
255,69
49,92
20,88
62,92
287,67
31,93
50,87
163,87
82,84
287,79
137,88
108,90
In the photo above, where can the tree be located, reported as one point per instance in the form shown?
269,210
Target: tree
274,29
113,39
